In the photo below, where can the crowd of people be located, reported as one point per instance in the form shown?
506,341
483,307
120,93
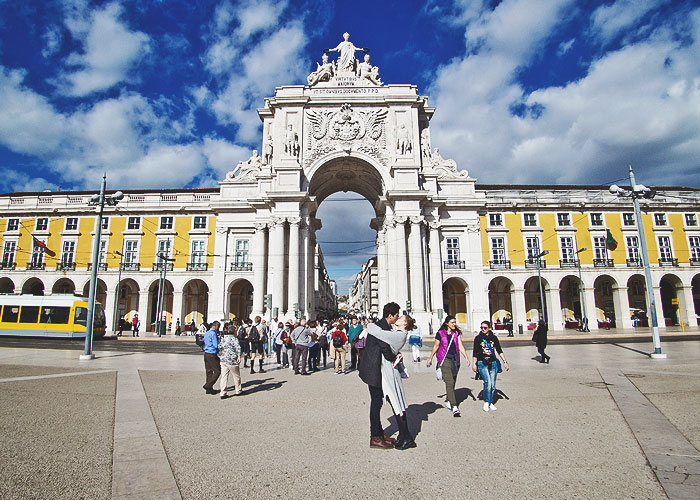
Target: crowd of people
374,347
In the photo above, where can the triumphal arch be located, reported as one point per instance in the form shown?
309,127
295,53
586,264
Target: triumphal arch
346,130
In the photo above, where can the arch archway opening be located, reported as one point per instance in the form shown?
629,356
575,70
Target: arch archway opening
604,290
167,306
128,299
669,288
63,285
7,285
33,286
534,308
570,300
695,284
195,302
100,291
455,293
500,300
636,296
240,299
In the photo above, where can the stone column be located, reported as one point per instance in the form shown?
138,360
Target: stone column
293,283
435,262
416,264
591,309
109,306
688,309
556,321
382,262
177,310
400,270
519,313
659,308
143,312
622,307
277,264
304,268
258,260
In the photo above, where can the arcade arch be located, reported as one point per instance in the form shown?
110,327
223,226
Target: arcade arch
63,285
100,293
195,301
128,302
606,303
532,300
695,284
570,299
240,299
153,296
7,285
455,292
33,286
670,288
637,300
500,299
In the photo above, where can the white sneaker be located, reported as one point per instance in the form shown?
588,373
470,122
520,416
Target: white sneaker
448,405
492,407
486,407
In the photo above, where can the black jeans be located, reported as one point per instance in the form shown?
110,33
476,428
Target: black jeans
314,357
278,350
353,357
376,396
541,351
212,367
301,352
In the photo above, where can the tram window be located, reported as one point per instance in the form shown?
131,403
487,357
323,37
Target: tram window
10,314
29,314
56,315
81,316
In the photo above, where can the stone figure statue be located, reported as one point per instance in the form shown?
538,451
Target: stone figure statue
437,158
425,144
446,169
346,57
267,151
246,169
403,141
369,72
323,72
291,142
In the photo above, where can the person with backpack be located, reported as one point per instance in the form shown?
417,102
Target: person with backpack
487,350
256,345
243,341
323,342
301,335
338,340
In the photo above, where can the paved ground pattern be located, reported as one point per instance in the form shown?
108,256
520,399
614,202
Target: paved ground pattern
558,432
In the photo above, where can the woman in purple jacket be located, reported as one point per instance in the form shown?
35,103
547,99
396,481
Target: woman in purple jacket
447,342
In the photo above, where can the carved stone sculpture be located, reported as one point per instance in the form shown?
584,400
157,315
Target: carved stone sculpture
366,71
403,141
246,170
267,151
446,169
425,145
323,73
291,142
346,59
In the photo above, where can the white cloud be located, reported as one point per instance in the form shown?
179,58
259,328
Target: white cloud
14,181
635,105
222,155
110,50
565,47
52,41
258,16
612,19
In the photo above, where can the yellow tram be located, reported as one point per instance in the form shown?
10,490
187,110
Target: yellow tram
48,316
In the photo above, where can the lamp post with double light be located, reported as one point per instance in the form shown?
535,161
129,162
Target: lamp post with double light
584,319
163,261
119,282
636,192
98,200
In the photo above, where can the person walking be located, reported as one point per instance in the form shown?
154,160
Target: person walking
243,340
509,324
135,325
301,336
230,359
278,344
448,347
121,325
415,340
338,340
354,330
314,348
212,363
485,354
288,345
540,340
178,328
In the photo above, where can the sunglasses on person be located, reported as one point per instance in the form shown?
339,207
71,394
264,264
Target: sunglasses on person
484,327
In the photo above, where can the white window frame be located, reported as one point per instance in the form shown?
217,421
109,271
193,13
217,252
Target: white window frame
241,252
568,252
105,223
9,252
665,248
498,252
165,246
131,251
526,218
452,249
200,217
628,219
102,258
694,247
633,252
600,248
68,248
37,255
167,222
532,250
198,255
566,219
45,224
660,219
68,225
12,224
597,219
691,220
133,218
495,220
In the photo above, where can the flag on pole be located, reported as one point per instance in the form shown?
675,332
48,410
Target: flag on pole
43,246
610,241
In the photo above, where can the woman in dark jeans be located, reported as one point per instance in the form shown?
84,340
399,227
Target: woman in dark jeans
448,346
540,339
486,348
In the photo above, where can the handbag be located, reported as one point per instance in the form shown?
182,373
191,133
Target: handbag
498,363
438,367
360,344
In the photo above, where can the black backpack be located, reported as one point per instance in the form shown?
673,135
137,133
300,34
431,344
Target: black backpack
338,340
253,334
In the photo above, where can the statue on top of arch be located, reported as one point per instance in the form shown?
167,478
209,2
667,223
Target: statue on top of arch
346,65
246,170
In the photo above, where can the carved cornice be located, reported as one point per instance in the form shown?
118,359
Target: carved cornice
260,226
417,219
294,221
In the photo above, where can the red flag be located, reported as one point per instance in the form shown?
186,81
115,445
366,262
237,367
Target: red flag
41,244
610,241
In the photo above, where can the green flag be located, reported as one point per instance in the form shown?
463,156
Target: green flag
610,241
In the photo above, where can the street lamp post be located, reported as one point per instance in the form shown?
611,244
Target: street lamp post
641,191
584,319
119,282
99,201
539,278
161,289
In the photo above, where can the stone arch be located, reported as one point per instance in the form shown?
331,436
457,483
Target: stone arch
240,299
695,284
7,285
570,290
532,301
195,301
455,293
636,296
100,292
153,294
33,286
500,299
63,285
128,299
340,171
604,291
670,288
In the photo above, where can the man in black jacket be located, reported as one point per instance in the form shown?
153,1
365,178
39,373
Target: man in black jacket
371,374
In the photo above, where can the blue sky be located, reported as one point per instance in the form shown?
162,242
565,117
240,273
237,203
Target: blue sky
547,91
